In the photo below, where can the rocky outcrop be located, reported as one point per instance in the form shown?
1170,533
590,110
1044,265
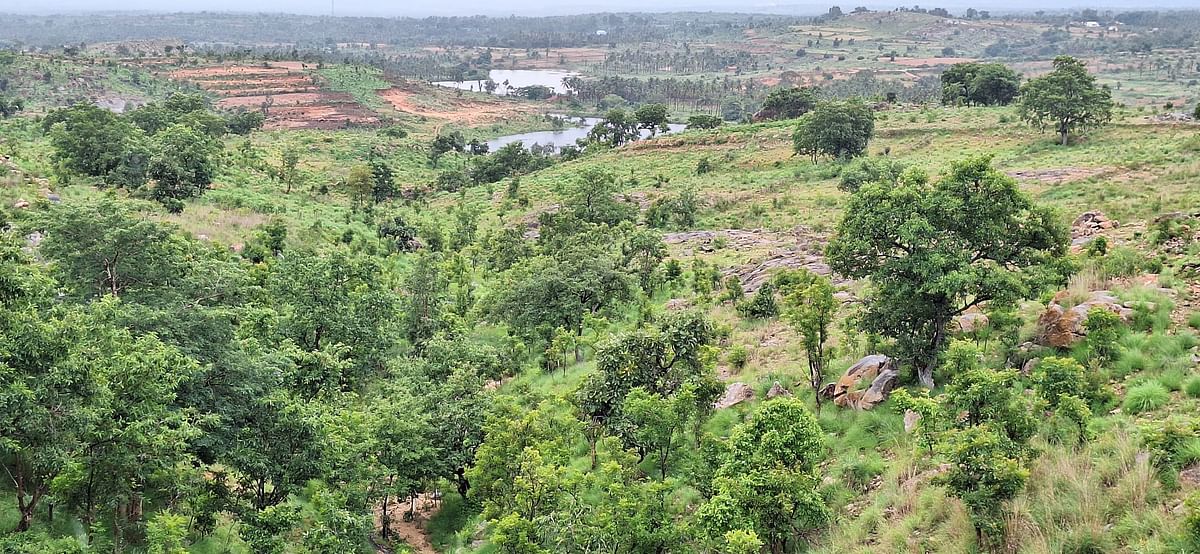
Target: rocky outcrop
972,322
777,390
1062,327
878,370
735,394
911,419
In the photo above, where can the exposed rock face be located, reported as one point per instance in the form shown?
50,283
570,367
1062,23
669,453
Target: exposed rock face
777,390
879,370
735,394
1061,327
971,322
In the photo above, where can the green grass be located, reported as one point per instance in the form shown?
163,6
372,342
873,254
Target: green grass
1145,397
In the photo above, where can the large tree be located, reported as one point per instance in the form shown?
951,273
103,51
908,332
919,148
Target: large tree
836,129
982,84
934,251
788,103
1066,99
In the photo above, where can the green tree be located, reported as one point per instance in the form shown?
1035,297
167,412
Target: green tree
985,475
836,129
593,198
289,171
652,117
935,251
769,482
183,163
982,84
788,103
1066,99
658,420
810,309
618,127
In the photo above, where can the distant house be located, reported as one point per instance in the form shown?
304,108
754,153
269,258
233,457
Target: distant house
1113,28
1091,23
601,33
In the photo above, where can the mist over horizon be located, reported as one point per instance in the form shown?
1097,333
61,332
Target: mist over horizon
424,8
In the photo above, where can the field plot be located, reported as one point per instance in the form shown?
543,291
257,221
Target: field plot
292,95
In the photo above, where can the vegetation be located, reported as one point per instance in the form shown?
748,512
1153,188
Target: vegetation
279,293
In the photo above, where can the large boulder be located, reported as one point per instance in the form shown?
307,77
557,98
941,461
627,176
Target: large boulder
971,322
777,390
735,394
849,391
1062,327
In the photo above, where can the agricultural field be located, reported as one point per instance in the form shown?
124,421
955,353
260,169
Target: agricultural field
770,284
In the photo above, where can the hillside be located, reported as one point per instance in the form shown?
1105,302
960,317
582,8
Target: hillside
280,302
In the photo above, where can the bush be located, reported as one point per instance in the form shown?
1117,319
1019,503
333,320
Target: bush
1193,320
762,305
1145,397
1172,379
738,357
1192,387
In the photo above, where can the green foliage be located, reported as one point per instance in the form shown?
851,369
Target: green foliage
652,117
836,129
677,211
810,309
738,357
167,534
616,128
767,483
862,171
788,103
702,121
982,84
985,475
1066,99
935,251
1145,397
1058,377
760,306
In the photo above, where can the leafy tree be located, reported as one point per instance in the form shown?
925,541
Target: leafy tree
10,106
657,420
643,252
289,171
383,182
935,251
87,139
183,163
102,248
1056,377
652,117
811,309
870,170
360,184
837,129
762,305
618,127
424,304
442,144
520,464
982,396
592,198
1066,99
985,475
982,84
788,103
769,481
701,121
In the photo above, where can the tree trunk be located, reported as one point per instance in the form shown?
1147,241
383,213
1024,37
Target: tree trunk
461,481
925,373
1063,132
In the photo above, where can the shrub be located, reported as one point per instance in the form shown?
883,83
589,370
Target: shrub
738,357
762,305
1192,387
1193,320
1145,397
1172,379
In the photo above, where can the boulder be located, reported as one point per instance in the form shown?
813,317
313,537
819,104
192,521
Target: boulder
677,304
911,419
1029,365
971,322
21,204
777,390
1090,223
1061,327
879,370
735,394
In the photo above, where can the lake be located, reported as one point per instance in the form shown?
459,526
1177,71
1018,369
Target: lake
578,127
516,78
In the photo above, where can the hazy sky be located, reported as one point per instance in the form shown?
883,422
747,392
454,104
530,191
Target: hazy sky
543,7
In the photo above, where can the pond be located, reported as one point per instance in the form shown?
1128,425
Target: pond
577,128
508,80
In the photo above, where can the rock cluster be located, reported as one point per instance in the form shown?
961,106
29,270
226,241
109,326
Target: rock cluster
880,371
1088,225
735,394
1061,327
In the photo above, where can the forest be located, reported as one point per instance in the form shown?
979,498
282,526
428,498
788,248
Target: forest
736,284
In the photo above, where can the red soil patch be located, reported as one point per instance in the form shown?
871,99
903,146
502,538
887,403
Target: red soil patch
463,110
289,90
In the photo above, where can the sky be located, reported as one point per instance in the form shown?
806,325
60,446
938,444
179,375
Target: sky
544,7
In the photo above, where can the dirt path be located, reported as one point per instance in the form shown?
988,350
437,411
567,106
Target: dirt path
411,532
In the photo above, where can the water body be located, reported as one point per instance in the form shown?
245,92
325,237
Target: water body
578,127
516,78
